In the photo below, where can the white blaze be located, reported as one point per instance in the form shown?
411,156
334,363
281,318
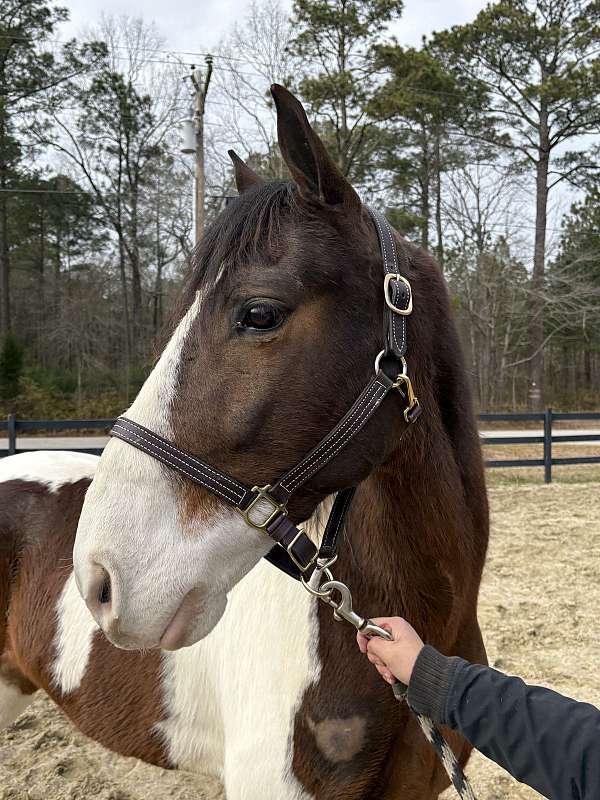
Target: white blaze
131,525
152,406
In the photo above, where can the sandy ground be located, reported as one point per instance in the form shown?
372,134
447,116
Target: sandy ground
540,602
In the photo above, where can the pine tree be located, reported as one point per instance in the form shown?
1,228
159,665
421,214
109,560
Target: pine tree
423,102
575,277
11,367
30,75
539,62
336,38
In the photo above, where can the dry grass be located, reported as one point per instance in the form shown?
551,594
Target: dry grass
540,599
539,605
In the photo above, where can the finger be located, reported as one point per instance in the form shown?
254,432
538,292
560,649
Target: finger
386,674
362,642
379,647
374,660
391,624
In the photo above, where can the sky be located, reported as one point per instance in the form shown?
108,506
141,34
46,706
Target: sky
198,25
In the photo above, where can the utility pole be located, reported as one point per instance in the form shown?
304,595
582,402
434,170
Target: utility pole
201,90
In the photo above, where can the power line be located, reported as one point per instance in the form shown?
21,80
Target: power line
141,49
222,57
254,73
454,133
494,225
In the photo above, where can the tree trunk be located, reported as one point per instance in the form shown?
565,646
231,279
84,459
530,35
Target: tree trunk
41,293
425,203
136,277
4,264
344,135
4,252
123,276
587,367
536,323
57,271
439,248
157,310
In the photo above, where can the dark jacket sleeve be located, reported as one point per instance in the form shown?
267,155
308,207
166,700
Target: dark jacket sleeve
548,741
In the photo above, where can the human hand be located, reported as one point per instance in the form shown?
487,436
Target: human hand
393,659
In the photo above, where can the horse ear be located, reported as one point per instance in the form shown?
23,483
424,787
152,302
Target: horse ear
311,166
245,178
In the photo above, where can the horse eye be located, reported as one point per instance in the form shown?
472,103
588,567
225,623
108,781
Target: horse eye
261,317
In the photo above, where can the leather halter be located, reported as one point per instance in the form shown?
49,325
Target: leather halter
265,507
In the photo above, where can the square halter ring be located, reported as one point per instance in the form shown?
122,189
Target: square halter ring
290,551
262,494
395,276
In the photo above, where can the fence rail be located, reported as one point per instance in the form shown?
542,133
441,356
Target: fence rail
548,438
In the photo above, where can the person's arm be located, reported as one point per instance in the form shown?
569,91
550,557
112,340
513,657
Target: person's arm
545,740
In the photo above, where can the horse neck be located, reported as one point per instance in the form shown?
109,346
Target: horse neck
410,539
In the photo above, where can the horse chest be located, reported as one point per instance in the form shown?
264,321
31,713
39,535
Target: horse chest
231,698
228,702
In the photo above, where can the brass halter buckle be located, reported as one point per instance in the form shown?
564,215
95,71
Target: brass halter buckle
262,494
395,276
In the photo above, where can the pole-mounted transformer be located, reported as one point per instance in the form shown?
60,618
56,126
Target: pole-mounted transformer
188,133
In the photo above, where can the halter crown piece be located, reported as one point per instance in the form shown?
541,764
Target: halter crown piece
265,507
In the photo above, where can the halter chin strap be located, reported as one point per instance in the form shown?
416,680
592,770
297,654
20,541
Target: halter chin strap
265,507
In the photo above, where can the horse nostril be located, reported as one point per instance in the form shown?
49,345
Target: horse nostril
104,592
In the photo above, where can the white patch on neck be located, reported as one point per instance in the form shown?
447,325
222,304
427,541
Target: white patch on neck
231,698
73,640
51,468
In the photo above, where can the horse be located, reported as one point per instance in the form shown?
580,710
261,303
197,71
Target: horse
222,663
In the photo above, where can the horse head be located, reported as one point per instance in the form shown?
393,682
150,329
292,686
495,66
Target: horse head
273,338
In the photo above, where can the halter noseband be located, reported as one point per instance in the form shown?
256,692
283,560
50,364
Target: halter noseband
265,507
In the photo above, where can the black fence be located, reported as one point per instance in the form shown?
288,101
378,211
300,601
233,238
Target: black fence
548,438
14,426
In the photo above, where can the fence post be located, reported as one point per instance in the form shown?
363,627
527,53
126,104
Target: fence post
548,446
12,434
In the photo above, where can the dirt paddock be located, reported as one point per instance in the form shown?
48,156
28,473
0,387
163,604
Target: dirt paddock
539,610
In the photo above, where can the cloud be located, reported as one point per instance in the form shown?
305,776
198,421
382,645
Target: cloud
199,25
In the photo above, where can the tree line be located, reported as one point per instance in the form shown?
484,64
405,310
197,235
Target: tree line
481,145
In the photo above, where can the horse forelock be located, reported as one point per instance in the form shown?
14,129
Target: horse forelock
248,229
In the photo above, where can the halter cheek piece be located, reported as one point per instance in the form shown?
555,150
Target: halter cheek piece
265,507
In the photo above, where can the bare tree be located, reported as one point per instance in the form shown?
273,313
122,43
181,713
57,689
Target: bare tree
123,130
252,57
